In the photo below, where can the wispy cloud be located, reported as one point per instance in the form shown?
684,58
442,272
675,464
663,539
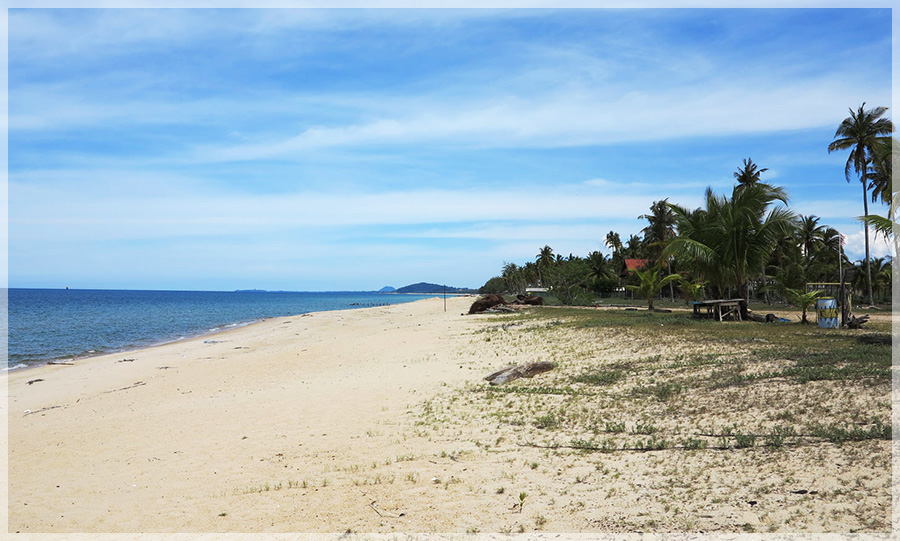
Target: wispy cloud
132,210
271,142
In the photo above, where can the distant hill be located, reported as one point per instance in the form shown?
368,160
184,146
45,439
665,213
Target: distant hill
386,289
424,287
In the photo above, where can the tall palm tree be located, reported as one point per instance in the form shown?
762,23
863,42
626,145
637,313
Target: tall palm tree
544,260
860,133
748,174
811,235
600,268
660,230
614,242
661,226
513,277
634,247
886,152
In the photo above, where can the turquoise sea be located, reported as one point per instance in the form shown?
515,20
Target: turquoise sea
61,324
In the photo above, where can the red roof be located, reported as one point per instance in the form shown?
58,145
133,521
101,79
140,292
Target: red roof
636,264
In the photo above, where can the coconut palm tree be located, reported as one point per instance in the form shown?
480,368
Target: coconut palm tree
810,235
513,276
600,268
749,173
692,290
860,133
801,300
660,230
634,248
544,260
885,153
730,240
614,242
650,283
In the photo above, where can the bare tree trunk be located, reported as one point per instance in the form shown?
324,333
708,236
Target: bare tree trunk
868,257
671,285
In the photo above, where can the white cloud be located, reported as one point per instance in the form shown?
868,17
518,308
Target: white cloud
564,117
129,210
855,245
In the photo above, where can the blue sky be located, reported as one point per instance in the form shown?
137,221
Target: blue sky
352,149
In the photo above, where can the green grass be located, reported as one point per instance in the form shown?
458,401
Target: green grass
600,377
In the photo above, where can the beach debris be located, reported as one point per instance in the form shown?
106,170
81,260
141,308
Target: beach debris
500,308
857,322
374,505
126,361
30,412
511,373
531,300
137,384
35,381
60,363
488,301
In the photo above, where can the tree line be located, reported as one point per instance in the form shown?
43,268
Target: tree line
747,245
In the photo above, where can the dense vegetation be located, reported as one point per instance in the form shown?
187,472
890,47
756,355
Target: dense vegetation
748,244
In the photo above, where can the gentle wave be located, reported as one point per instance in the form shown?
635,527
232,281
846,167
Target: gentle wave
55,325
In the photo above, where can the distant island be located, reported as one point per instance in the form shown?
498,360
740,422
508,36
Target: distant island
424,287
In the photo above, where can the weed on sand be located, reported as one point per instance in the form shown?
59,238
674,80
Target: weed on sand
647,413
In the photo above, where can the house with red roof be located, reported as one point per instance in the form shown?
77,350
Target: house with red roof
636,264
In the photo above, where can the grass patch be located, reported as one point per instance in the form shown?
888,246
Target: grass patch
601,377
661,391
542,389
844,433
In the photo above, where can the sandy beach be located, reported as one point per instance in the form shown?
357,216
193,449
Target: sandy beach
371,420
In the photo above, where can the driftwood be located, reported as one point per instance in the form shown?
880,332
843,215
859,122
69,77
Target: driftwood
759,318
531,300
857,322
521,371
488,301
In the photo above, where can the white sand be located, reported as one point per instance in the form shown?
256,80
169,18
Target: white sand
332,422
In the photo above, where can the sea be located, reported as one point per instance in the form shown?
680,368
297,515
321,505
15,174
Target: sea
47,325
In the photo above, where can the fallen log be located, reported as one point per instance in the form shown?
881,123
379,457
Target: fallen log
531,300
511,373
486,302
857,322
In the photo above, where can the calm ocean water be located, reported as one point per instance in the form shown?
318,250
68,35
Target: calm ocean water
53,324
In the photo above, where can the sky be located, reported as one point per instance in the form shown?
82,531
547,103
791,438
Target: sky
318,149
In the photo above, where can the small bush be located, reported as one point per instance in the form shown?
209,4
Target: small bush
551,420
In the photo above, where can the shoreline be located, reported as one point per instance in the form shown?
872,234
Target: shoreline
30,364
67,360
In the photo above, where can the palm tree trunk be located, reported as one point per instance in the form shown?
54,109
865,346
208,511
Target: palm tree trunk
671,285
866,231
